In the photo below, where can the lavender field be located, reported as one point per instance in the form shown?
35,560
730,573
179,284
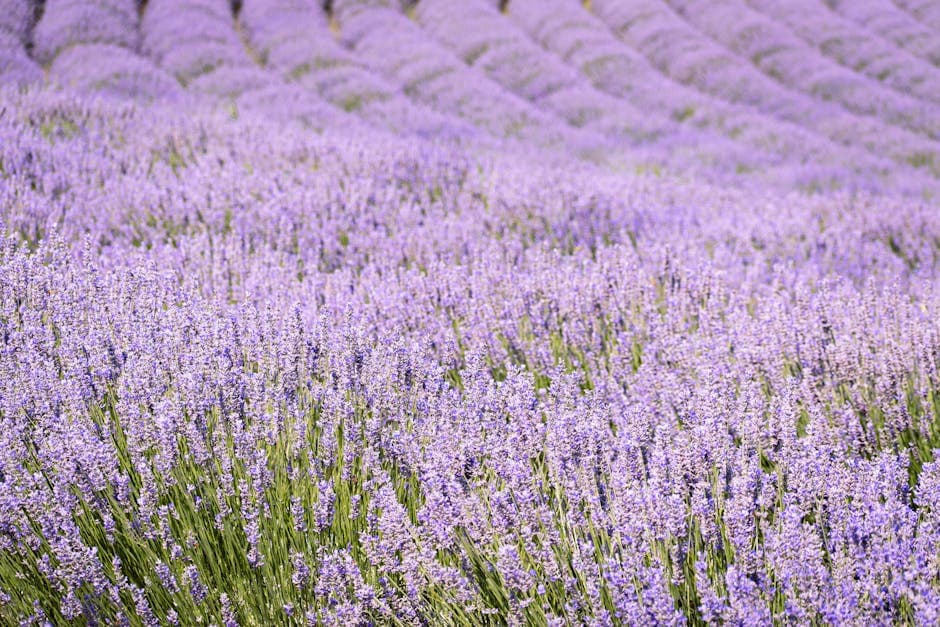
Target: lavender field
469,312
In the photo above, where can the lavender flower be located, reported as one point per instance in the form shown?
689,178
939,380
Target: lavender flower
465,312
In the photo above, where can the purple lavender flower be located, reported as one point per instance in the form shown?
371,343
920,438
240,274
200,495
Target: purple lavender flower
465,312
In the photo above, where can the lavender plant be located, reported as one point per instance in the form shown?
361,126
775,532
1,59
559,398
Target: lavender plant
894,24
780,54
17,69
269,359
875,59
922,11
66,23
293,39
689,55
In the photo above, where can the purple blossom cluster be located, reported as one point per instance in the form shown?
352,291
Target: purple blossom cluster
470,313
113,70
855,48
67,23
893,24
16,67
781,55
923,11
197,42
16,18
480,36
643,87
293,38
386,39
735,73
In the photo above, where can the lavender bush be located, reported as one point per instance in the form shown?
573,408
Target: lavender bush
854,48
475,313
66,23
693,57
895,25
17,69
923,11
293,38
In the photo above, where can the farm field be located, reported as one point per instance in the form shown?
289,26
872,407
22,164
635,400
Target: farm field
469,312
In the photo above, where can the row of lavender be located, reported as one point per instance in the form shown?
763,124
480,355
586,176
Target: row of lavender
250,376
813,96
